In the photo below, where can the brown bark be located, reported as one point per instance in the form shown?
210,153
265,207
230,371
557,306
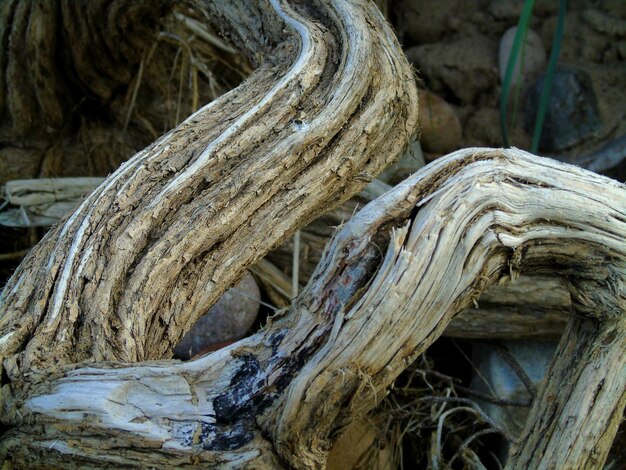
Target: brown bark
332,102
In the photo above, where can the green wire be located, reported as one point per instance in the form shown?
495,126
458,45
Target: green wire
522,26
547,84
518,87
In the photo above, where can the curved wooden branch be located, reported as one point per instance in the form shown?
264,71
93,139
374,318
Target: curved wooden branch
332,103
458,226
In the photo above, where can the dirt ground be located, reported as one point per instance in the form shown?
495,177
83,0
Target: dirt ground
454,45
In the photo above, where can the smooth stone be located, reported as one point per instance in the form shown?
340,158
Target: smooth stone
228,320
440,127
572,114
411,161
534,61
532,356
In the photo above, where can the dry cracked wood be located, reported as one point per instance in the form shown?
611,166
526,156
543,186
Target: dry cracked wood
458,226
531,307
332,103
142,258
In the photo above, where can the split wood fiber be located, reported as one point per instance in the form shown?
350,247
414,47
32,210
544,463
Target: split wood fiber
331,103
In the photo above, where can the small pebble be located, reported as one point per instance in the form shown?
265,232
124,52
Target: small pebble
534,57
440,127
228,320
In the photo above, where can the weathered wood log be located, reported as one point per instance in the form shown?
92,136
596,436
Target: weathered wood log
332,102
124,276
460,225
531,307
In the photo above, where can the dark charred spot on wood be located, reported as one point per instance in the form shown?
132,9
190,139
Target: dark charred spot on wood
245,395
224,438
292,364
289,365
275,339
248,394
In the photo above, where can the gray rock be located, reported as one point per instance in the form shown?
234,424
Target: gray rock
502,381
533,61
572,114
410,162
228,320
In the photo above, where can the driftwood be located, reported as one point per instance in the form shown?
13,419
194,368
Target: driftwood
330,106
332,102
532,307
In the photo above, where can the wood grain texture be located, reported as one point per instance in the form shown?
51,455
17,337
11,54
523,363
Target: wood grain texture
89,319
461,224
332,103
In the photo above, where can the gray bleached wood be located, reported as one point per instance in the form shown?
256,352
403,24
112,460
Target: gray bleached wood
332,103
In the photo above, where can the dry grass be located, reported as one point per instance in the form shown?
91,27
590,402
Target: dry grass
431,424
